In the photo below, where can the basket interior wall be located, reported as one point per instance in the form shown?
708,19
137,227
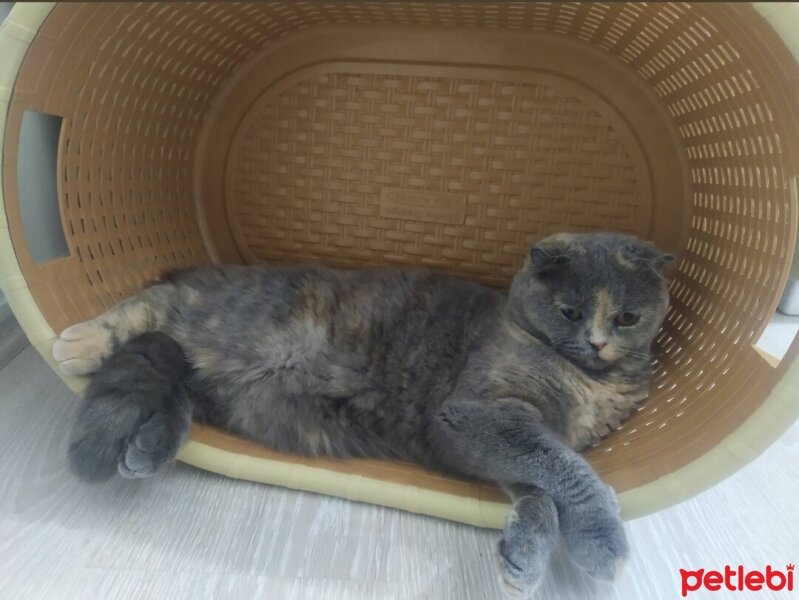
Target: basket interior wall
136,84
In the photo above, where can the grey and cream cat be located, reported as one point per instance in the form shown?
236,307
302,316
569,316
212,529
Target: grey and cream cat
403,364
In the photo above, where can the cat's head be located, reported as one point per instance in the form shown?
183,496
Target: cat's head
595,298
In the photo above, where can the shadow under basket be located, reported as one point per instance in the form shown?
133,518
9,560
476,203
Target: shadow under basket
443,135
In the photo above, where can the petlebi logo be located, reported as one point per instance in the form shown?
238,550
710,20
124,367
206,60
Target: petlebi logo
738,579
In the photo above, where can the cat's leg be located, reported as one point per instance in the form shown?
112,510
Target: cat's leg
504,441
82,348
136,412
530,534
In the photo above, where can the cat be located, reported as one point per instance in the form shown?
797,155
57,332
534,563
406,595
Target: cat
396,364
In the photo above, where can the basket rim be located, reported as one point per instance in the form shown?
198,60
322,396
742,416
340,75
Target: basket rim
763,427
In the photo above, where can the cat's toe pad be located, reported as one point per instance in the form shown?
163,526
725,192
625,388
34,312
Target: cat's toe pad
82,348
522,556
154,444
513,578
600,547
509,578
605,565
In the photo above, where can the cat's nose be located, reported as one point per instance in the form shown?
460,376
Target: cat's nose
598,344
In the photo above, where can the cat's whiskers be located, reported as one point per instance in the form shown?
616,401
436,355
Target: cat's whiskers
561,342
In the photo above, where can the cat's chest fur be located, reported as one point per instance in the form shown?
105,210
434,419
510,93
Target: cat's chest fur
581,407
598,407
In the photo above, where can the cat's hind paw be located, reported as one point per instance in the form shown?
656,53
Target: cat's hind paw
155,443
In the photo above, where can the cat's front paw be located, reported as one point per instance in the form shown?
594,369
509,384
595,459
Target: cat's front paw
594,534
82,348
523,552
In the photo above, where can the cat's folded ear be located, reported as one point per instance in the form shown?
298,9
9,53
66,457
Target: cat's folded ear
644,254
547,260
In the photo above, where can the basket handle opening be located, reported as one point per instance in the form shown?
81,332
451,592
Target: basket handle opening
37,184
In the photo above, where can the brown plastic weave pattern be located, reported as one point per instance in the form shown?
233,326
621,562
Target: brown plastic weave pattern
450,135
351,167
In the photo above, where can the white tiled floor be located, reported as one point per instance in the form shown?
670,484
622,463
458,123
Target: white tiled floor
779,335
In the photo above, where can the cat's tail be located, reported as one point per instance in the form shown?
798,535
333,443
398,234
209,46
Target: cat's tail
136,411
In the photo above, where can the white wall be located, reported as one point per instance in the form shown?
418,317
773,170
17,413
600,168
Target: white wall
5,8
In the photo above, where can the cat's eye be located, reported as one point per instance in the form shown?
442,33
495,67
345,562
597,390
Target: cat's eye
626,319
572,314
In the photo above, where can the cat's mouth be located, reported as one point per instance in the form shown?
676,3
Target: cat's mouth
608,354
597,360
